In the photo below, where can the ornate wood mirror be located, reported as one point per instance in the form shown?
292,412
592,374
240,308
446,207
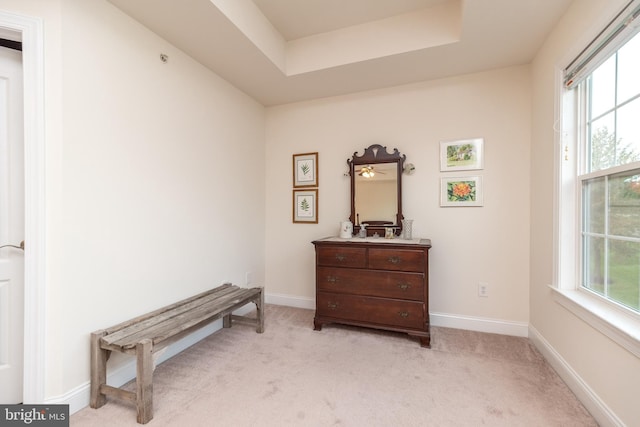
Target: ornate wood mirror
376,190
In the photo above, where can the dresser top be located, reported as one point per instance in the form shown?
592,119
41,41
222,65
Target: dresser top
375,240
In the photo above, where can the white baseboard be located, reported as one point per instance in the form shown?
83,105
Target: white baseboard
495,326
596,407
480,324
290,301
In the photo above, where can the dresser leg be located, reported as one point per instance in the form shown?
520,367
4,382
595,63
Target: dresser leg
317,326
425,342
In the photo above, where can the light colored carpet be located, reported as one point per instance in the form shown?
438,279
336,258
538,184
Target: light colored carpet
294,376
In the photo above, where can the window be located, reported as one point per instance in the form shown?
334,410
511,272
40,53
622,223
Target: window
609,177
598,201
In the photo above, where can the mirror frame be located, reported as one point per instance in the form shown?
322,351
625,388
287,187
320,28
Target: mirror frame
375,154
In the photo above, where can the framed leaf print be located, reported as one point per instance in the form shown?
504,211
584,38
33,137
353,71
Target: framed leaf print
305,206
305,170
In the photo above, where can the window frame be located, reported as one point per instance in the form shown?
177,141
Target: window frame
616,321
585,172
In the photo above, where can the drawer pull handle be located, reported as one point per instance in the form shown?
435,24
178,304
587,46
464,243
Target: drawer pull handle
404,286
332,279
332,305
404,314
394,259
340,257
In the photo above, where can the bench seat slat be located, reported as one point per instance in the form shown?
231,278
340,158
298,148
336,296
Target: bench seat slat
171,328
119,333
136,320
167,324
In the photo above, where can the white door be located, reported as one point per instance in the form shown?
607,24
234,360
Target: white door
11,226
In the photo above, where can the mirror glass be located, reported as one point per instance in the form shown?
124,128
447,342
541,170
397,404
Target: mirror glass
376,193
376,190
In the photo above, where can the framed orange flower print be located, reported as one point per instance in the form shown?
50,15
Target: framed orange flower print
461,191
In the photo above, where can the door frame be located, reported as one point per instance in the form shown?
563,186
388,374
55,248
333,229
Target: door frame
35,351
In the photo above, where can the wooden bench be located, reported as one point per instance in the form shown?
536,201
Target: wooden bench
144,335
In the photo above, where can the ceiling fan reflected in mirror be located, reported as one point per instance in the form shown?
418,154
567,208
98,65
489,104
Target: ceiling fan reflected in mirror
368,172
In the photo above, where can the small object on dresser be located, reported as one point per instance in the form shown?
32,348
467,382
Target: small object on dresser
407,229
346,229
388,232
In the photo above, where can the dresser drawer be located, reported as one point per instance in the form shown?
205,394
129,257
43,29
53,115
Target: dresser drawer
409,286
396,259
342,257
405,314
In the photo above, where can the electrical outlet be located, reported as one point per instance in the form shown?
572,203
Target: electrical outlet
247,278
483,289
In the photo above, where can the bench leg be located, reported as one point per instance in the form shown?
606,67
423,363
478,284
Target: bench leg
144,381
98,370
260,312
226,321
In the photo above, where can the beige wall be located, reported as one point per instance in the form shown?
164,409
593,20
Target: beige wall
609,372
470,245
154,178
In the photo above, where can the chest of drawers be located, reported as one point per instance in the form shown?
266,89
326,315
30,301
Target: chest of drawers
383,285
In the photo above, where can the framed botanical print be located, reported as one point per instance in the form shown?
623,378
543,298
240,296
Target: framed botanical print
461,191
305,206
305,170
